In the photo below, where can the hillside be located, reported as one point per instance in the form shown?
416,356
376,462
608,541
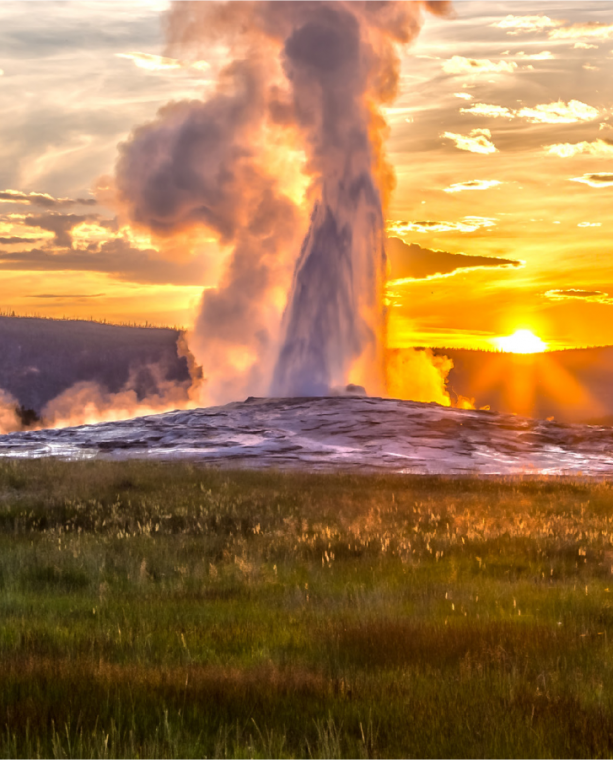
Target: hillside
574,385
41,358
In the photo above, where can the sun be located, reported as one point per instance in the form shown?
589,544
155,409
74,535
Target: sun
521,342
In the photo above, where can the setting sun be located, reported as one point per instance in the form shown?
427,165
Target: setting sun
521,342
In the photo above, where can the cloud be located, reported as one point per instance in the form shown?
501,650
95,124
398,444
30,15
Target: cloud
468,224
597,148
463,95
559,113
476,141
545,55
526,24
591,30
412,262
545,113
584,46
594,296
596,179
60,224
460,65
160,63
589,224
484,109
115,257
472,184
43,199
71,296
12,240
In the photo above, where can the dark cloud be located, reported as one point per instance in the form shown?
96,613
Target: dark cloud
16,240
60,224
593,296
417,263
43,200
596,179
71,296
115,257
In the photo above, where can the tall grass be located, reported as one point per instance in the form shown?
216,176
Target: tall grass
172,610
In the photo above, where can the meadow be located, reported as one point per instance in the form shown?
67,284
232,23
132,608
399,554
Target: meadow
168,610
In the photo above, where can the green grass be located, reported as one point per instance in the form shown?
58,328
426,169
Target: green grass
171,610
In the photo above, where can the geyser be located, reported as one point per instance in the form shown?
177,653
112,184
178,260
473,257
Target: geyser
285,318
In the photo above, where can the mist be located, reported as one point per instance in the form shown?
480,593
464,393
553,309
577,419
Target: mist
299,307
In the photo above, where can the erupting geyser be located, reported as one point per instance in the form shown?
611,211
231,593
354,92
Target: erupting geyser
309,74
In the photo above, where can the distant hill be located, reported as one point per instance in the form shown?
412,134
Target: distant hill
41,358
574,385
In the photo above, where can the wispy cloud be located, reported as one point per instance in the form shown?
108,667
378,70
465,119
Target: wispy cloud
597,148
596,179
71,296
591,30
160,63
116,258
545,113
472,184
595,296
526,24
476,141
467,224
486,109
43,199
556,29
463,95
589,224
15,240
460,65
545,55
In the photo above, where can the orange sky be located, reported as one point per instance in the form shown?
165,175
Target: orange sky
501,138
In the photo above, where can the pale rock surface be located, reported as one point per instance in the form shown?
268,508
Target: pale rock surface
337,433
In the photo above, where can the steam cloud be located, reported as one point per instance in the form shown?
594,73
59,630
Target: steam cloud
306,76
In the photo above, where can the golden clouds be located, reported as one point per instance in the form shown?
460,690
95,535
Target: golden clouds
473,184
468,224
597,148
559,113
476,141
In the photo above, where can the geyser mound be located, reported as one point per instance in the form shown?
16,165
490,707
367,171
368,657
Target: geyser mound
346,433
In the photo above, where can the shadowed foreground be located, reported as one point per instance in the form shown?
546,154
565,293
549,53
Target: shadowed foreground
171,610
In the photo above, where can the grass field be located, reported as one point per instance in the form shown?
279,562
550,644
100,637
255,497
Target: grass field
170,610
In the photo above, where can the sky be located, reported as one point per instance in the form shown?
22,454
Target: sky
501,139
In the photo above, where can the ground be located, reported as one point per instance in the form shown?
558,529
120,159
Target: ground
174,610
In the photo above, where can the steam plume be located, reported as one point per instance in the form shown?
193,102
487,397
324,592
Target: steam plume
9,419
311,74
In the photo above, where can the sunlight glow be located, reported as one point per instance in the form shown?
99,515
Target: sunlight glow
521,342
